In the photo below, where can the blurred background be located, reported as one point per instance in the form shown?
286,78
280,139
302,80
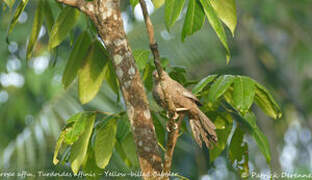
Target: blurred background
272,44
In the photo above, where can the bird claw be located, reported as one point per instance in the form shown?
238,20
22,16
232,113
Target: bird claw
175,115
169,128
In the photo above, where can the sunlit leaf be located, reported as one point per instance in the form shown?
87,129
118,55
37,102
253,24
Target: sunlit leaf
173,10
203,83
266,102
58,146
194,19
141,57
158,3
243,93
79,122
48,15
216,25
79,148
92,74
64,23
20,8
104,142
259,137
238,153
37,23
76,58
219,87
222,134
226,11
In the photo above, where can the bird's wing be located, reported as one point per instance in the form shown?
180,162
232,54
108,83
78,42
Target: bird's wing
189,95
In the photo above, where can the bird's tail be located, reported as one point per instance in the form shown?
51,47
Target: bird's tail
204,129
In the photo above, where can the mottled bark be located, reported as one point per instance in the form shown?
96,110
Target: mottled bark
107,18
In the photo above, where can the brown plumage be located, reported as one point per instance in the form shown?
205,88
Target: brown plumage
201,125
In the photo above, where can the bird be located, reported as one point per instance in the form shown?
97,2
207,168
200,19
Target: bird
185,102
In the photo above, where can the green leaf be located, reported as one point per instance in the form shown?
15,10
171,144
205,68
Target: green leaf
129,149
148,77
203,83
160,130
259,137
79,122
216,25
158,3
243,94
226,11
80,148
238,153
92,74
64,23
58,146
222,135
9,3
110,77
219,87
76,58
20,8
37,23
141,57
266,102
123,128
48,15
173,10
104,143
194,19
134,3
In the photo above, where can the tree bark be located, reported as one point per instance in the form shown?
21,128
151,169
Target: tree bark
107,18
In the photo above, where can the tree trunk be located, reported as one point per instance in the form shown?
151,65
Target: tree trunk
107,18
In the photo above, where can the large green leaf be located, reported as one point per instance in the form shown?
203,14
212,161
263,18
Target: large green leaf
58,146
48,15
141,57
238,153
216,25
194,19
110,77
243,93
37,23
129,149
266,102
92,74
219,87
80,148
79,122
173,10
259,137
158,3
64,23
104,142
76,58
226,11
223,133
203,83
160,130
20,8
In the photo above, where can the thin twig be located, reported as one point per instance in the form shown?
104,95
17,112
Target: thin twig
154,49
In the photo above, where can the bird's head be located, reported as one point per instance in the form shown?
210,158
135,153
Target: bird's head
155,75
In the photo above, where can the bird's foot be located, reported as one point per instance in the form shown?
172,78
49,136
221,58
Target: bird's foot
174,116
171,126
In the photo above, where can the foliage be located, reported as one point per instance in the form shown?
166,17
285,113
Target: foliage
227,98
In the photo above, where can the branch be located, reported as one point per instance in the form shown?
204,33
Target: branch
106,16
171,143
172,125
